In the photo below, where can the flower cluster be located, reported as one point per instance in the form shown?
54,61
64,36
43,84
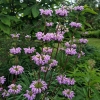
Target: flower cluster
5,93
47,12
61,12
49,36
64,80
30,95
53,63
29,50
84,41
46,37
81,54
15,35
58,37
68,93
76,25
47,50
17,69
14,89
49,24
70,51
41,59
39,35
38,86
15,50
68,45
2,79
78,8
45,69
60,32
61,79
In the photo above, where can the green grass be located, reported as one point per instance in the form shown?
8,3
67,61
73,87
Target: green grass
94,42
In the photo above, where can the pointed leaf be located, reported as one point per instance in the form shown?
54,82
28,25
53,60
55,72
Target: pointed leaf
89,11
35,11
4,28
27,11
5,20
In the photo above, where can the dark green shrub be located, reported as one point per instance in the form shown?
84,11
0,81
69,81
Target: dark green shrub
93,34
91,53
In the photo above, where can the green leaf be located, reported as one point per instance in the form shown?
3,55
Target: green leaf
19,97
13,18
35,11
88,10
23,5
4,28
27,11
38,96
96,94
5,20
87,24
41,28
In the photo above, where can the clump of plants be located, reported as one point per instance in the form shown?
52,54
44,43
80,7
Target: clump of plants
41,66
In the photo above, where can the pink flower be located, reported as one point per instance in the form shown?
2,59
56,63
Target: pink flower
60,32
49,24
29,50
16,69
81,54
68,93
15,50
15,35
74,24
84,41
48,37
72,81
58,37
61,12
39,35
78,8
47,50
70,51
45,69
38,86
53,63
62,79
5,93
47,12
2,79
41,59
30,95
68,45
14,89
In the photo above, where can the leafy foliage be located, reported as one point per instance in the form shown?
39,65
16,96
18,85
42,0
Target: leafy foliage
30,22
